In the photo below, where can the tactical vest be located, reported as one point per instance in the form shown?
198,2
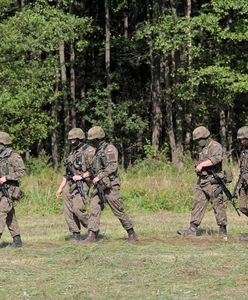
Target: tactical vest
99,162
76,160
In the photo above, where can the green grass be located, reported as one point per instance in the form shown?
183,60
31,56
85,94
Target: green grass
162,265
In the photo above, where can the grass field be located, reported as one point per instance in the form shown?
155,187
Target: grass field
161,265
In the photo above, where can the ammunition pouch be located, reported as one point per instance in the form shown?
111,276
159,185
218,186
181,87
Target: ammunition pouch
16,193
214,181
106,183
217,192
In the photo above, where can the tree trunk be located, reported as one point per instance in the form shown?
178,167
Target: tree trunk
169,115
156,102
65,97
107,67
126,25
229,136
54,133
178,114
73,87
223,131
188,107
155,87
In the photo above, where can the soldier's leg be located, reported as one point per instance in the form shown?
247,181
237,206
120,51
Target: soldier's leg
116,204
243,204
4,209
198,210
79,209
219,208
12,223
7,216
94,220
199,207
243,207
71,220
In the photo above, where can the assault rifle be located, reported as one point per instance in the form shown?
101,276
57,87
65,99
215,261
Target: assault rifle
224,189
99,186
79,183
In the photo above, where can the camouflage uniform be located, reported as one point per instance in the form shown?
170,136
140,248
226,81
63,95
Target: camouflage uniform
243,205
74,206
210,159
105,164
243,192
11,167
104,168
206,187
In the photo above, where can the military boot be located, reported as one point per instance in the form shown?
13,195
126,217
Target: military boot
17,242
75,236
223,232
91,238
191,231
132,236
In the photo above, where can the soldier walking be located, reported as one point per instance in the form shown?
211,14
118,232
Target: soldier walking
12,170
210,160
75,189
242,136
104,171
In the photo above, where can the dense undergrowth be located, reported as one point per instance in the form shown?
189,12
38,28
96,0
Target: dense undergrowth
150,185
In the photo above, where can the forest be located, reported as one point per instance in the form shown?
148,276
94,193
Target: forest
147,71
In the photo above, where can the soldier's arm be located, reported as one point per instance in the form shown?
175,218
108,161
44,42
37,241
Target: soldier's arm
204,164
17,167
111,164
215,153
61,187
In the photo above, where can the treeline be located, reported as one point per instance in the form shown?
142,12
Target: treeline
148,71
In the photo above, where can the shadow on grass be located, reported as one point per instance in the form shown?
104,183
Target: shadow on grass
206,231
5,245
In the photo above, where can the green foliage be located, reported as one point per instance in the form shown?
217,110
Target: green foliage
159,156
29,67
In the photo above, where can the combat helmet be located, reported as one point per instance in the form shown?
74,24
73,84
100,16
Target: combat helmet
242,133
200,132
96,132
76,133
5,138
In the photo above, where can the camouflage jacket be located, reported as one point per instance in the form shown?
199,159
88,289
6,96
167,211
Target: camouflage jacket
105,164
77,162
244,165
11,165
212,151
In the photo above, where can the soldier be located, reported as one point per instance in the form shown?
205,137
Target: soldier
75,193
12,170
242,136
104,167
210,160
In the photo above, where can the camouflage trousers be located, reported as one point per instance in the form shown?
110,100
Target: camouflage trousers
116,204
75,211
243,204
204,195
7,216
